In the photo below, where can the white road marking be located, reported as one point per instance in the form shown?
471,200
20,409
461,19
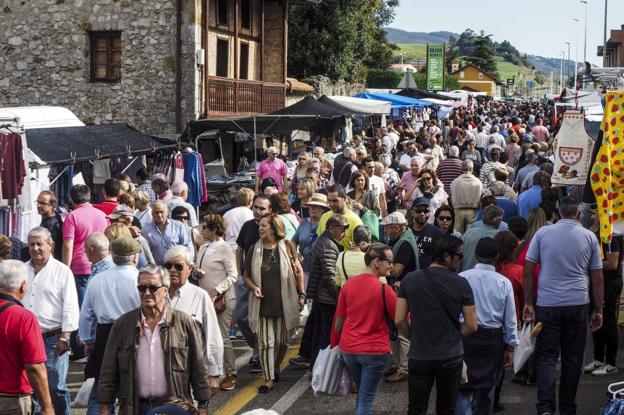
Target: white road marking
290,397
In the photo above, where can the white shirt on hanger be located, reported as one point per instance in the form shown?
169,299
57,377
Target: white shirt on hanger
52,296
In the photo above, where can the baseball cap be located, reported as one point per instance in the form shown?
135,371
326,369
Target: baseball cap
395,218
121,210
420,201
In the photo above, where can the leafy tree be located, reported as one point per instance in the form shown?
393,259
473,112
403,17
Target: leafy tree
483,54
339,38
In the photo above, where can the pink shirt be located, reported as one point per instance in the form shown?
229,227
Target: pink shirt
78,225
540,133
150,365
408,182
275,169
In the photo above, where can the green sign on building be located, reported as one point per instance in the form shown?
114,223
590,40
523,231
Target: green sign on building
435,67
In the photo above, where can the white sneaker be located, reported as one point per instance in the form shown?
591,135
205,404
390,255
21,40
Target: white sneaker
605,370
593,366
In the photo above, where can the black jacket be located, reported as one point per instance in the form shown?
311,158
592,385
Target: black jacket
322,282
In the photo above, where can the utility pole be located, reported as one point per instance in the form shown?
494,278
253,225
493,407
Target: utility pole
567,69
561,71
585,42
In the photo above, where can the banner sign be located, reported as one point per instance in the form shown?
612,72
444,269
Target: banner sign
435,67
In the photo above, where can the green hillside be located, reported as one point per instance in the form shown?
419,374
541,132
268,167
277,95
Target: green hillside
505,69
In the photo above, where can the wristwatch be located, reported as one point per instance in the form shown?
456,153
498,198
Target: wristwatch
302,296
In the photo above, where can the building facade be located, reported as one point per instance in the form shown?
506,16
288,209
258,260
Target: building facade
474,78
615,49
154,64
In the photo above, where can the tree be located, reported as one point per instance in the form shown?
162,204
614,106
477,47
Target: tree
483,54
339,38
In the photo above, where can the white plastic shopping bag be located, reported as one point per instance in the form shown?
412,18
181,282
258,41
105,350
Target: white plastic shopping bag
327,371
526,346
82,397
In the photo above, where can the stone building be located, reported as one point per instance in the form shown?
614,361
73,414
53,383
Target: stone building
154,64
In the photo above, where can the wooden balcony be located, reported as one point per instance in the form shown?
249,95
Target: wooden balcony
232,96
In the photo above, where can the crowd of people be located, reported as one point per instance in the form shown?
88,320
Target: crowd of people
418,251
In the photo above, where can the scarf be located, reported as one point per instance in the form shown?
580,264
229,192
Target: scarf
288,288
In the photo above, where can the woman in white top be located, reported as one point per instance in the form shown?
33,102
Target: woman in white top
141,203
218,263
427,185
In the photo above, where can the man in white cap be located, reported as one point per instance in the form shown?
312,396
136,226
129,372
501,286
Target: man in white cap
274,168
405,253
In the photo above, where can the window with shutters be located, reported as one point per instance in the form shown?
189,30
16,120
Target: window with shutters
106,56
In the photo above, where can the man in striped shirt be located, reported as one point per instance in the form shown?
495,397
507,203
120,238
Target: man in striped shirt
450,168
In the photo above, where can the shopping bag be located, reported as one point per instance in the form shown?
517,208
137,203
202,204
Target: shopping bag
370,219
345,384
526,346
327,371
82,397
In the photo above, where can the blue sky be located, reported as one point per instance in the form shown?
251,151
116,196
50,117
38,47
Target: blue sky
539,27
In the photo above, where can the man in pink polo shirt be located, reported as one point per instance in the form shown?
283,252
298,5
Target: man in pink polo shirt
273,168
78,225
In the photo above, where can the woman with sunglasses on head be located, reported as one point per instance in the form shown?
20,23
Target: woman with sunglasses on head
304,193
444,218
303,162
360,325
181,214
362,199
194,301
218,263
274,276
427,185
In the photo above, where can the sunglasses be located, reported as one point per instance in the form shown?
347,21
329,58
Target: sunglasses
426,177
272,256
421,210
445,218
152,288
178,267
181,218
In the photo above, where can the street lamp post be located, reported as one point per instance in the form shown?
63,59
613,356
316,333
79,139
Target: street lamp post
604,35
585,41
577,20
561,71
567,69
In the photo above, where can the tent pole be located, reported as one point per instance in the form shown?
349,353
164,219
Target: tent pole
255,143
59,175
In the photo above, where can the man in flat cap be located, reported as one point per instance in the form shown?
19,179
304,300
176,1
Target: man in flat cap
110,294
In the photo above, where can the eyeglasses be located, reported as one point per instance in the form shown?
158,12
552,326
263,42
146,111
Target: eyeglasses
152,288
421,210
445,218
426,177
178,267
389,261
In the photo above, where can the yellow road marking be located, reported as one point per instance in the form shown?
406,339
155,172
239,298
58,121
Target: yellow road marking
246,394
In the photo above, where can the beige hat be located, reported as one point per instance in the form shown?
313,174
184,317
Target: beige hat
318,199
125,246
121,210
395,218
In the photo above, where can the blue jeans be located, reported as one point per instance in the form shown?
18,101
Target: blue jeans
94,404
57,367
81,288
564,329
484,401
366,370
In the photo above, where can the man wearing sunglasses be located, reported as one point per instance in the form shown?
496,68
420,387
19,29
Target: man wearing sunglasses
110,294
153,352
423,231
435,297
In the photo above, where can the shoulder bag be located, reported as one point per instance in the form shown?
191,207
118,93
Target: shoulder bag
392,328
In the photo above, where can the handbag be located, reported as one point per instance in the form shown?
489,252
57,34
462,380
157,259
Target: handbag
392,328
452,319
219,303
371,220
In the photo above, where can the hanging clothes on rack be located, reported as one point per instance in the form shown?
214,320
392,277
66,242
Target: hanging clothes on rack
193,176
12,169
179,170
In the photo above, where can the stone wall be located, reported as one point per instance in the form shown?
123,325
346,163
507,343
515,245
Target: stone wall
44,59
274,45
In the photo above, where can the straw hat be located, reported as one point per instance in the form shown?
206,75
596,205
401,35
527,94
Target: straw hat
318,199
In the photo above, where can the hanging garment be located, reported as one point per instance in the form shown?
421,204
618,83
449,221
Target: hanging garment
101,171
179,170
572,149
607,174
12,167
192,177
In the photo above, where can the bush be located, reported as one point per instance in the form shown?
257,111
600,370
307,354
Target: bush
383,78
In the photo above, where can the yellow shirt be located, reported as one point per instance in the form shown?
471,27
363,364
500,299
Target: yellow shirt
352,219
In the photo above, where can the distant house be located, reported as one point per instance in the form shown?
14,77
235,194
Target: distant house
403,67
471,77
615,49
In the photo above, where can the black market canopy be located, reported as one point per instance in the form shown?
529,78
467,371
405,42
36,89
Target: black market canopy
307,113
90,142
421,94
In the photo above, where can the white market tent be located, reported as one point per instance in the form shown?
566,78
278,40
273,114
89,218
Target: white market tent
370,106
